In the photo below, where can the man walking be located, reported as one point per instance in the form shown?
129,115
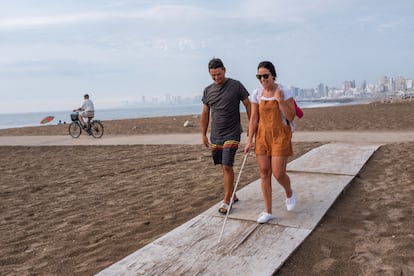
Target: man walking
222,99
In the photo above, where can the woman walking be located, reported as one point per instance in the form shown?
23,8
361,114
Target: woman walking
272,112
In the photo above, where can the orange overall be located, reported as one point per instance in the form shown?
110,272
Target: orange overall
273,137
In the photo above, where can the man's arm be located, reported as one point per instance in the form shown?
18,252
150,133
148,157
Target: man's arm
247,105
82,108
205,119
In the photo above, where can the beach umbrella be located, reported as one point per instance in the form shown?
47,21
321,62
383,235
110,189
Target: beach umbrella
47,119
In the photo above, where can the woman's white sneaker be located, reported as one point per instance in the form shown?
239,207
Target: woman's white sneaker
264,217
291,201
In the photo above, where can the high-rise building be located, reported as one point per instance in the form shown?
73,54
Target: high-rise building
384,83
391,85
364,85
321,91
409,84
400,84
347,85
295,91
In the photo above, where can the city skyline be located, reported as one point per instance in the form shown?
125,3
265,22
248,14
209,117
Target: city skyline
119,50
378,89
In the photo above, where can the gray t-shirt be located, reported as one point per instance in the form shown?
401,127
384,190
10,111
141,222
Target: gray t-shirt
224,103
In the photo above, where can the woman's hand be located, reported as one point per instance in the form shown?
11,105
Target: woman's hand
247,148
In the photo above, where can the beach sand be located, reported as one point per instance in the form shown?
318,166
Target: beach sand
76,210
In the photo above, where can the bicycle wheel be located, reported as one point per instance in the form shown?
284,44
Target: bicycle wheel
97,129
74,130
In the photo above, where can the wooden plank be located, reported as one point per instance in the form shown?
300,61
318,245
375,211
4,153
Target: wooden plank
336,158
241,251
248,248
315,194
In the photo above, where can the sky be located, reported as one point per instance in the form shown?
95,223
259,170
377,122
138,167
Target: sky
52,52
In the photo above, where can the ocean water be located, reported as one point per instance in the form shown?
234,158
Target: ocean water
33,119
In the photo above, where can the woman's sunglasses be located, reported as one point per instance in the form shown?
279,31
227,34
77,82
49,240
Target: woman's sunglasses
265,76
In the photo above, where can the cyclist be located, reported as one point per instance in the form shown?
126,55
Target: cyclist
87,110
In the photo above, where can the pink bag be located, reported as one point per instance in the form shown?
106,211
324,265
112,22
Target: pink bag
299,111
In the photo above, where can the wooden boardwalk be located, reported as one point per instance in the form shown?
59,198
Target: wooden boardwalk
248,248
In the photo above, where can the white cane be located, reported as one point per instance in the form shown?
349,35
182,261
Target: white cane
232,196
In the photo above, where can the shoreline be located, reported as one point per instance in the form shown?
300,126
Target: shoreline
360,117
11,121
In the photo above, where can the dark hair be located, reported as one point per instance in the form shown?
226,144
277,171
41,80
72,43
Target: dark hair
269,66
86,96
215,63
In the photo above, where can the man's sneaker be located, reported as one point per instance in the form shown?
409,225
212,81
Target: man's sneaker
264,217
291,201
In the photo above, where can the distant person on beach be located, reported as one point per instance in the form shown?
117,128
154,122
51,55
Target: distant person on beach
273,110
87,110
222,98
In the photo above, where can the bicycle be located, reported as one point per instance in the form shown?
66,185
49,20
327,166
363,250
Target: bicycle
95,128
